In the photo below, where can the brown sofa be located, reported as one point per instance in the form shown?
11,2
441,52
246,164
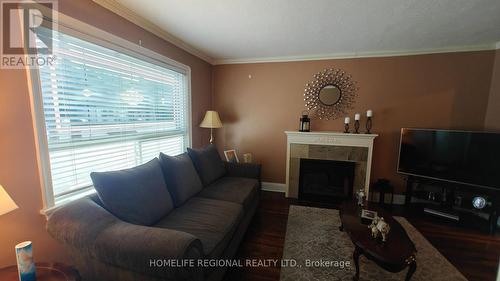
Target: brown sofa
121,235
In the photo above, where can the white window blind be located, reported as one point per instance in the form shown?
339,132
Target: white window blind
106,110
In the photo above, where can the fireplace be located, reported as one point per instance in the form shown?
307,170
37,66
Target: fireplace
326,180
334,146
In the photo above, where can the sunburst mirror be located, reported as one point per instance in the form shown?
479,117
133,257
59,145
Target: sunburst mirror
331,94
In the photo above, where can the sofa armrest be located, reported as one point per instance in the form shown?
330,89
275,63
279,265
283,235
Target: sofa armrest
243,170
95,233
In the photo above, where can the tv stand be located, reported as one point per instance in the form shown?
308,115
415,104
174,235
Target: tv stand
442,213
452,202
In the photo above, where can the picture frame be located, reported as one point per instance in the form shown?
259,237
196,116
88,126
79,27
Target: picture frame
231,156
367,214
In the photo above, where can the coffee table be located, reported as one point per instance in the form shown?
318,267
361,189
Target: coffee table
394,255
44,272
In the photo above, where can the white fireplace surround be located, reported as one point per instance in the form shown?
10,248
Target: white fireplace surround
330,139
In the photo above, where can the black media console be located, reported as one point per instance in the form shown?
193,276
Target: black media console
454,202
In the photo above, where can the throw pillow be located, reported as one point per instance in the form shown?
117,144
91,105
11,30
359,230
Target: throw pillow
180,175
138,195
208,163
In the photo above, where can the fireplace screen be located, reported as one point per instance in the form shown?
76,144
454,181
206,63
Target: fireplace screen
325,180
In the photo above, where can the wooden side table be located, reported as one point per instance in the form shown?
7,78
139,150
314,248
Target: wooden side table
44,272
382,187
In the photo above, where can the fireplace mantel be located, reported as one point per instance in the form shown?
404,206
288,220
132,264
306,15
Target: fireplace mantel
319,139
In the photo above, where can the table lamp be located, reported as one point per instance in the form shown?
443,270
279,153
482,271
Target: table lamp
6,203
211,121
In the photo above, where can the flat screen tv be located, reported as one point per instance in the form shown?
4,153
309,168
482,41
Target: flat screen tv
470,158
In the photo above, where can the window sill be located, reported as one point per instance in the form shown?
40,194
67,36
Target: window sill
49,210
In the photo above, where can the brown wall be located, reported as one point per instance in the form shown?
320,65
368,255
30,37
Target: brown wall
18,166
429,91
492,121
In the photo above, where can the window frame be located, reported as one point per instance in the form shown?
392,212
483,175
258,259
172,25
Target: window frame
83,31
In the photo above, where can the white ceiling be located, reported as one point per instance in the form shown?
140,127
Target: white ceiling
260,30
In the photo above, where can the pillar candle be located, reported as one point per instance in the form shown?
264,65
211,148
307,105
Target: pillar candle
347,120
369,113
357,116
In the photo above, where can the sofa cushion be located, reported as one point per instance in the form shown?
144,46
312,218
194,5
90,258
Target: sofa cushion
236,190
211,221
138,195
180,176
208,163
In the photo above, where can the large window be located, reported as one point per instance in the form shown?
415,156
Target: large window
105,109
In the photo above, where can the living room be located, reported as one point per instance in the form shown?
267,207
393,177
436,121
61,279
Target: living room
249,140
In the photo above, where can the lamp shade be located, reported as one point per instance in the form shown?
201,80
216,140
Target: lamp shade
6,203
211,120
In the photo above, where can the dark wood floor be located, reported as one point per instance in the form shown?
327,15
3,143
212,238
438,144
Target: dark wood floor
472,252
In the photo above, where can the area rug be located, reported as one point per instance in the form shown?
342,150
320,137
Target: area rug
318,249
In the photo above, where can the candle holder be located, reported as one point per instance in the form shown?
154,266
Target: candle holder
346,127
356,127
368,125
305,122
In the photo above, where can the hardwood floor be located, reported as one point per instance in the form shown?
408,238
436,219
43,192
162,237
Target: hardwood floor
474,253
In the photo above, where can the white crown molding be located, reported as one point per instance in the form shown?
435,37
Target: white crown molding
374,54
131,16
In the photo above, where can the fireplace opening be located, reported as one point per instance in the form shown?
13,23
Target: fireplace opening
325,181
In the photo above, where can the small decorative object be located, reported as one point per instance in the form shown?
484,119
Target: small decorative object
305,122
247,158
25,264
212,121
356,123
369,115
360,195
479,202
383,228
346,124
379,227
331,94
367,216
431,196
231,156
374,230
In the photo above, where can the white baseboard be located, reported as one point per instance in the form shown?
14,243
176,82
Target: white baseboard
273,186
399,199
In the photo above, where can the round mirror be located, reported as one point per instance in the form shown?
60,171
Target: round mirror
329,95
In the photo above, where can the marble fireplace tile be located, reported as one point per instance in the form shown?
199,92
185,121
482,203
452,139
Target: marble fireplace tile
299,151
